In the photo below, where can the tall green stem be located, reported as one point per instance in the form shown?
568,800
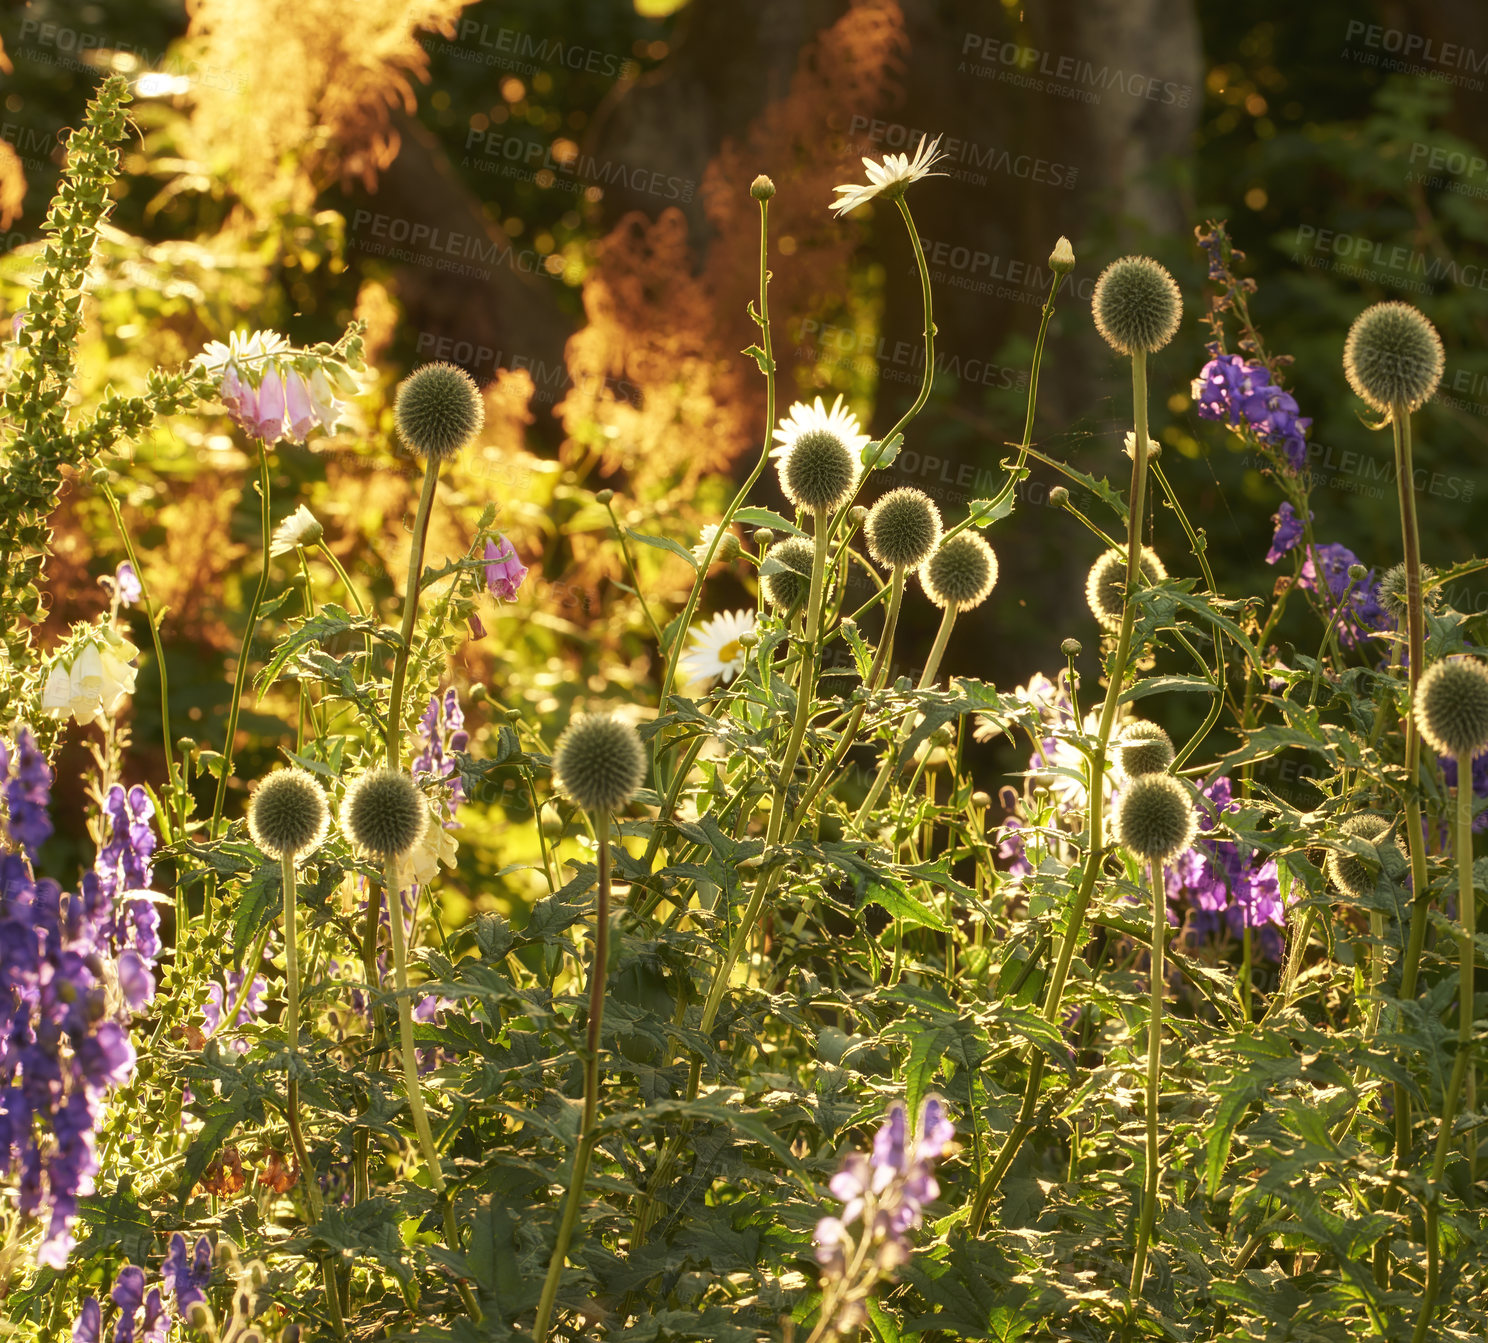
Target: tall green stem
1415,835
1467,914
588,1128
292,1032
927,679
1152,1170
1094,800
241,677
410,616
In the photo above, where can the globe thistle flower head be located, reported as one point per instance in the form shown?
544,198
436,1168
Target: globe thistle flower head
790,583
1154,817
383,813
1393,594
903,528
288,815
819,472
1137,305
1451,706
1393,356
1143,748
438,410
1105,588
599,763
961,572
1352,874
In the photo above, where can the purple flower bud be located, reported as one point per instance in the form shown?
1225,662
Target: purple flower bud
127,584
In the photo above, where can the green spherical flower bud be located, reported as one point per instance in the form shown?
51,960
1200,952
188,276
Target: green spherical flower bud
438,410
383,813
1357,573
1351,874
960,573
1105,588
603,496
1393,356
599,763
762,188
1451,707
1058,497
1070,648
1137,305
903,528
288,814
1154,817
789,585
1393,595
819,471
1143,748
763,537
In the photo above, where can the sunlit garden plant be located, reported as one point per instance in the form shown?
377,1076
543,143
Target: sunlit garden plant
805,1037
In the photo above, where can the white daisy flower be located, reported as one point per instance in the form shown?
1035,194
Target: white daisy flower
890,177
716,650
300,528
840,422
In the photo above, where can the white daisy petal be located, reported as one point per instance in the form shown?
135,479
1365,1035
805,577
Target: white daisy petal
716,651
892,176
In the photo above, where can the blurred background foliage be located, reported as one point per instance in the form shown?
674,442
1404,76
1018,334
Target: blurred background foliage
553,194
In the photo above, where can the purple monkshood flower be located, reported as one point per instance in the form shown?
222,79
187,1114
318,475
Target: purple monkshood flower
1356,603
1289,529
442,729
1243,396
89,1326
127,584
883,1198
1228,886
504,571
28,794
187,1277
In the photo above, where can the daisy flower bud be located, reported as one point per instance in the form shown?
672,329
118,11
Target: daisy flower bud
1451,706
1105,588
438,410
1143,748
1137,305
762,188
1070,648
1393,356
384,813
1062,258
1058,497
903,528
788,583
1154,818
288,815
960,573
1351,874
599,763
762,538
603,496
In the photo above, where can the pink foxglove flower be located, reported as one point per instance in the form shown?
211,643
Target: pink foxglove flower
273,391
504,571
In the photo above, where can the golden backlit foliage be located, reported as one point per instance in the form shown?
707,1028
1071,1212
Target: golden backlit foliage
300,93
660,391
12,176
